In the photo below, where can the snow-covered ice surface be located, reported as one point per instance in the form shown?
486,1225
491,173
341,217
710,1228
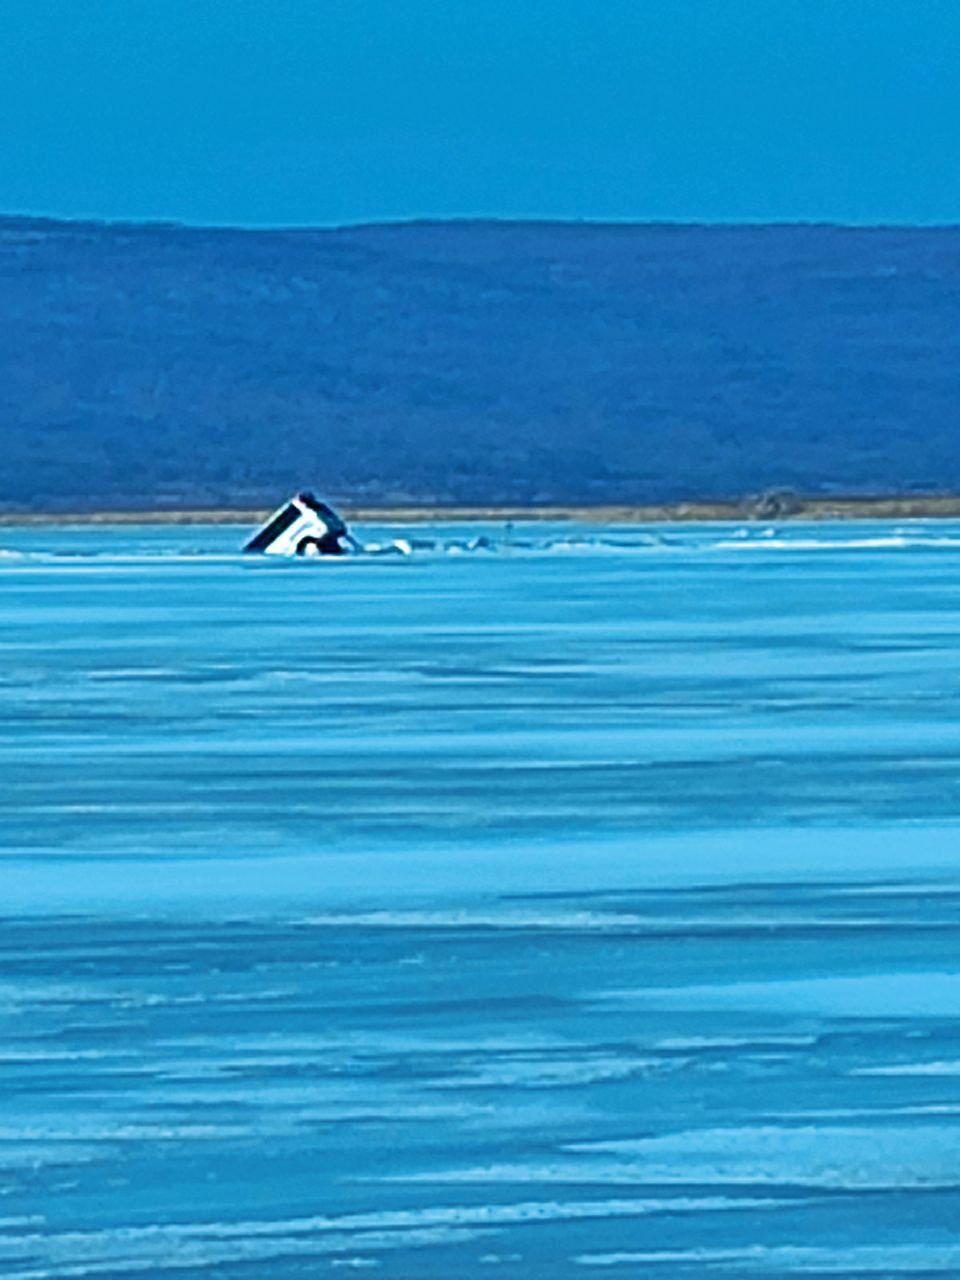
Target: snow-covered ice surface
581,902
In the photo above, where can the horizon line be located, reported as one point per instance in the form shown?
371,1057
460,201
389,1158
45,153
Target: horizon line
175,224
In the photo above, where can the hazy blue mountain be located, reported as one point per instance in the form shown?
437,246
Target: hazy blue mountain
474,362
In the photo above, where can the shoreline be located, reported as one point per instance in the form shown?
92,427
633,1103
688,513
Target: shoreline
812,509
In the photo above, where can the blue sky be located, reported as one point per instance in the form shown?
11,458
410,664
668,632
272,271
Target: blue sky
329,111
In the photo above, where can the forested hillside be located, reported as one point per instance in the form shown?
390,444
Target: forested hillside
474,362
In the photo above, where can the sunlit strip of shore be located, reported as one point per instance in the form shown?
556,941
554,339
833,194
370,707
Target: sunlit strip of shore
892,508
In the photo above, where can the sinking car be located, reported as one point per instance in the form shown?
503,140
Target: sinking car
304,526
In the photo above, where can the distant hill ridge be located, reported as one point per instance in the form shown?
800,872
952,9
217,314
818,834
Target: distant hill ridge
474,362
